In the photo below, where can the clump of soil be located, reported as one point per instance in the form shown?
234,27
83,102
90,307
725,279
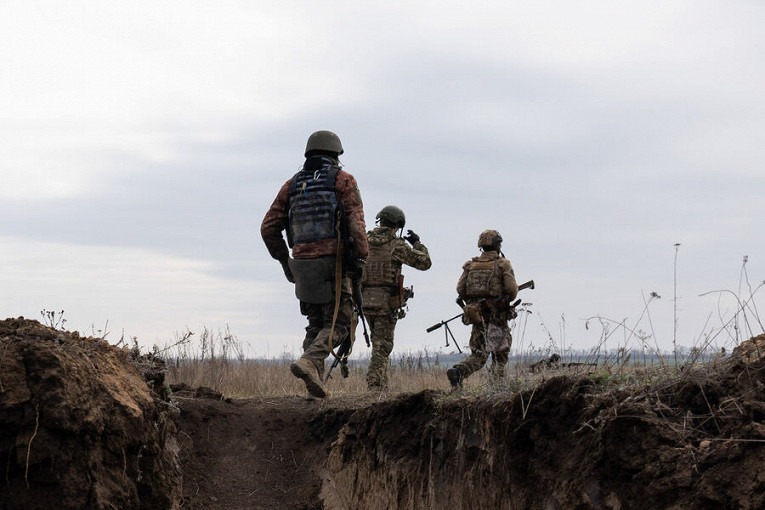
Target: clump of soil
90,426
79,426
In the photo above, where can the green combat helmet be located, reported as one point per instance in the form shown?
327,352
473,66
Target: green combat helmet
490,240
393,215
325,141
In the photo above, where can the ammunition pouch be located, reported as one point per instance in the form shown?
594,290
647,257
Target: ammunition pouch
471,314
399,296
314,279
376,299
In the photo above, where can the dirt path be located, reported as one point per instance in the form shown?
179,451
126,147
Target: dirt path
259,453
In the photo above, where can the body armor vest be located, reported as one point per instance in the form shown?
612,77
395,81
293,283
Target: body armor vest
482,280
313,205
379,270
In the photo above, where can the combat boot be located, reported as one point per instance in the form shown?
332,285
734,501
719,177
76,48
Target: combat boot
307,371
455,378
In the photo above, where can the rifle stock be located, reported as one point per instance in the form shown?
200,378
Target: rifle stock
527,285
355,266
342,356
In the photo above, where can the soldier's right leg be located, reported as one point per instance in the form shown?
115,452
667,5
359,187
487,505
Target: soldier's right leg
382,346
499,361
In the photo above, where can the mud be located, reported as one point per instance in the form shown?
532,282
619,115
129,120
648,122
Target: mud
87,425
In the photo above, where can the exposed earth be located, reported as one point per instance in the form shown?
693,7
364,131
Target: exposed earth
87,425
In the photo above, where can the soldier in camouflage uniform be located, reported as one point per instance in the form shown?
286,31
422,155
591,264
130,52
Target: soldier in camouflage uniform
320,208
486,287
384,295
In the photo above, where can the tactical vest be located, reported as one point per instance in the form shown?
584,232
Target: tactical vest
313,205
483,280
379,270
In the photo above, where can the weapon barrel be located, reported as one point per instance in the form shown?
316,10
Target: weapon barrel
434,327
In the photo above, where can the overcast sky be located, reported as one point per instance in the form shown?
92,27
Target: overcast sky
142,143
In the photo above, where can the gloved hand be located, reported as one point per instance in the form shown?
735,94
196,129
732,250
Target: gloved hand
411,237
287,271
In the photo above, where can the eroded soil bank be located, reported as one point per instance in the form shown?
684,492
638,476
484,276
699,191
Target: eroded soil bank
79,425
695,441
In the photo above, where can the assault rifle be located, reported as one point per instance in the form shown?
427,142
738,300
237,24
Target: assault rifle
353,265
511,306
343,351
356,267
503,301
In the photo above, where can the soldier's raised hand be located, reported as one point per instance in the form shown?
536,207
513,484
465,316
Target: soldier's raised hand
411,237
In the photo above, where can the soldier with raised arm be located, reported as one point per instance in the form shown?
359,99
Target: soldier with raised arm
384,294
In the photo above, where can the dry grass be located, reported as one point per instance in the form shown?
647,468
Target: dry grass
626,355
256,378
213,362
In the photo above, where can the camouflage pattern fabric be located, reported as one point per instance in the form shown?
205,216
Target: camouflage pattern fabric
501,284
416,256
382,322
479,354
382,327
316,345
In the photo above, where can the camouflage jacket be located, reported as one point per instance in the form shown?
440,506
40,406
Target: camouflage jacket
276,221
416,256
501,284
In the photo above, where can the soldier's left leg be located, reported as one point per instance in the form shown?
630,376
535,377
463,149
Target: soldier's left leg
500,357
478,354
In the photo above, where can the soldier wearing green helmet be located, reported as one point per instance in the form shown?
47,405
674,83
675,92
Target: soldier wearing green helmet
323,142
384,294
313,206
484,289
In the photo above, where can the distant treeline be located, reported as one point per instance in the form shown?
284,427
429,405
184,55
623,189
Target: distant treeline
601,357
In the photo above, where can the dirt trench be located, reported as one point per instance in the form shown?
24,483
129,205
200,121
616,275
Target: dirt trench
80,428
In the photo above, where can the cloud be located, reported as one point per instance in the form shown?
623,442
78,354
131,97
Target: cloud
593,137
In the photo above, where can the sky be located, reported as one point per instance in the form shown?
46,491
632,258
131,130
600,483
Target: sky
616,146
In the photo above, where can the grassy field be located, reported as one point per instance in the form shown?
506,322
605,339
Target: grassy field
627,353
216,361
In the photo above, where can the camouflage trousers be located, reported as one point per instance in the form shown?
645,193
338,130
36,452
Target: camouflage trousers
316,344
479,355
382,327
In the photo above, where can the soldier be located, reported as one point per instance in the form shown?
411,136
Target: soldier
485,290
384,295
320,208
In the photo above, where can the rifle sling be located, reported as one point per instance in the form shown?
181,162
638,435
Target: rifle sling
338,286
